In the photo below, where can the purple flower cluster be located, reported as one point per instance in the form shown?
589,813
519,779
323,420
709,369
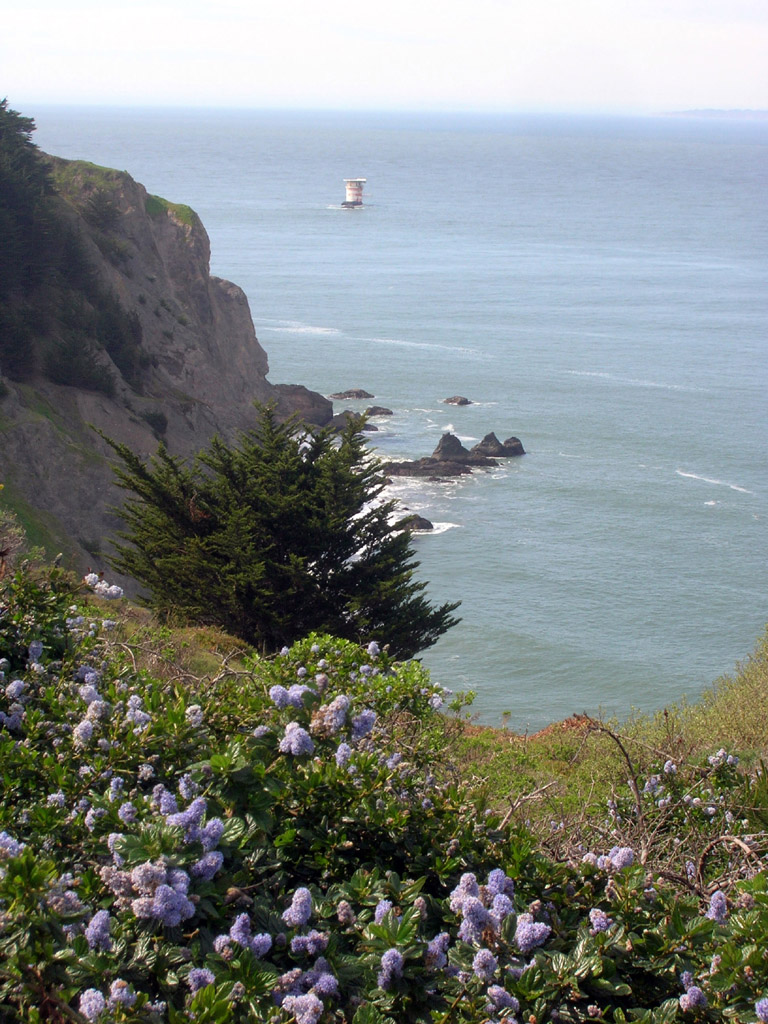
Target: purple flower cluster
599,921
382,907
300,910
135,715
693,999
391,968
92,1004
189,819
761,1010
162,892
97,932
194,715
163,800
466,888
199,977
718,907
311,944
621,857
343,754
330,719
306,1009
723,757
208,865
241,933
296,741
499,883
120,994
82,734
345,914
485,965
363,724
501,999
127,812
529,933
187,787
482,907
292,697
475,920
437,950
15,689
299,992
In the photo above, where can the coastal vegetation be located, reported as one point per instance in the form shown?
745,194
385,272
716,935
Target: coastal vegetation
55,315
282,534
192,831
245,802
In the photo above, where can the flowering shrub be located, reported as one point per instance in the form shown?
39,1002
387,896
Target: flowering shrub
285,843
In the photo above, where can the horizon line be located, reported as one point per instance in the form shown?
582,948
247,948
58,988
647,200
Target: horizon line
709,111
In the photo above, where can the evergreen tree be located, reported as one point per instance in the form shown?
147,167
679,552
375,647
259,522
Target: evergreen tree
280,535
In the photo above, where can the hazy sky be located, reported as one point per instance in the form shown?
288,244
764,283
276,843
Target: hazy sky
526,55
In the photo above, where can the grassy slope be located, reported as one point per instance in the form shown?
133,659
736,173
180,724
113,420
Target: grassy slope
564,773
570,768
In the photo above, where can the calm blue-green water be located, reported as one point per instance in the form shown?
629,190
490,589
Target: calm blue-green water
595,287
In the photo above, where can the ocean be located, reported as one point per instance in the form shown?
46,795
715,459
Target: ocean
595,286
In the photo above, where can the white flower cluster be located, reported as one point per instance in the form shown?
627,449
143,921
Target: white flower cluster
110,591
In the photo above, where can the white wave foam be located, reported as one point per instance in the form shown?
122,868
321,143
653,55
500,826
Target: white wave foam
426,344
637,382
305,329
712,480
443,527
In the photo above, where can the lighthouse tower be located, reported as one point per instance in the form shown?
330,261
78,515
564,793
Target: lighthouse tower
354,192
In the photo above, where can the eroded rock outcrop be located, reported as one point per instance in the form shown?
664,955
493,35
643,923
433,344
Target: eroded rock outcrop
450,457
492,447
201,365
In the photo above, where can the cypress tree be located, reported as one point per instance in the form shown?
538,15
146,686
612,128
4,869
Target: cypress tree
280,535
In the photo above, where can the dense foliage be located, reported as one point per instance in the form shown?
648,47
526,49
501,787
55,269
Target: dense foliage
56,319
283,841
275,537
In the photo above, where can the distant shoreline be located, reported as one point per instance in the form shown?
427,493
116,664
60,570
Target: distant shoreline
734,114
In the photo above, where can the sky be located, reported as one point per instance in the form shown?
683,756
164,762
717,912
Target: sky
640,56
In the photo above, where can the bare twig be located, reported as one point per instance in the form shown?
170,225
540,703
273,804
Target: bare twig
525,798
595,726
725,840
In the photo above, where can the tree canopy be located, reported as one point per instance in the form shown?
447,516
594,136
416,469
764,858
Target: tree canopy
281,534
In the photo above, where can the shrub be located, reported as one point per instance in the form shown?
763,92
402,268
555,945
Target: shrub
267,845
279,535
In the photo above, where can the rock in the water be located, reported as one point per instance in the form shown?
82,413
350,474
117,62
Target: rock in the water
433,468
450,447
451,458
492,447
378,410
342,420
513,446
415,522
454,400
353,393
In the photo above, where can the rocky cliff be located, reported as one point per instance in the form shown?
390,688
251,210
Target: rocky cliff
159,350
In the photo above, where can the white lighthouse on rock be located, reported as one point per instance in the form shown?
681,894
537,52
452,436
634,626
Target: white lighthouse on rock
354,192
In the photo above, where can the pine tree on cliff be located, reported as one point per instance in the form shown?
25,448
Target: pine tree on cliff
280,535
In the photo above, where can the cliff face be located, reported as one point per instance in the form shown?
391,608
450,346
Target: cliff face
188,366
